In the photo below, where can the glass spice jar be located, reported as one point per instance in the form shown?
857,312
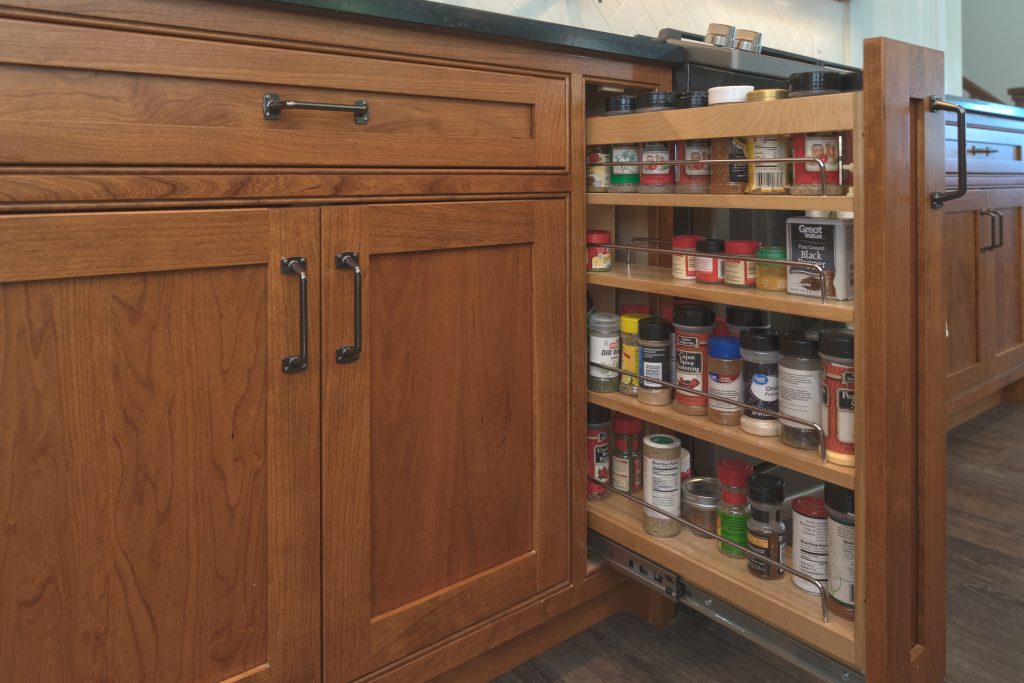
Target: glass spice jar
739,319
700,504
662,454
627,457
842,567
599,177
603,329
599,422
766,532
684,267
760,351
725,375
599,255
765,176
693,178
837,410
655,339
771,277
693,327
799,388
734,508
630,352
728,178
710,266
741,273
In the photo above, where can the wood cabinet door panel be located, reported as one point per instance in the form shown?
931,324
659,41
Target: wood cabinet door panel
159,471
965,232
445,469
1005,329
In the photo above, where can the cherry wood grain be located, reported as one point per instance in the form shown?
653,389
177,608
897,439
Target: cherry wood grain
1005,332
965,231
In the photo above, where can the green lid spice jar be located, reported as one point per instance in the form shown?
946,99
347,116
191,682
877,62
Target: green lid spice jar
771,277
799,388
734,508
655,339
841,559
603,330
630,324
627,458
662,457
766,532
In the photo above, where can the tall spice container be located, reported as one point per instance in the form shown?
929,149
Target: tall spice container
603,329
655,340
627,458
599,422
693,178
837,411
799,388
693,327
810,541
766,177
656,177
624,178
734,508
728,178
760,350
842,566
725,379
662,454
630,324
766,532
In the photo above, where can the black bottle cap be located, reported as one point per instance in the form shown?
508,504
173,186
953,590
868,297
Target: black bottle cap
814,82
692,99
838,498
694,316
853,80
837,342
800,344
598,414
759,339
746,317
647,100
711,246
619,103
766,488
654,329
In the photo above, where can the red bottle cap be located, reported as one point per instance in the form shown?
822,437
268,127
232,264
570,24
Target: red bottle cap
734,472
749,247
686,241
668,309
810,506
599,237
627,424
634,308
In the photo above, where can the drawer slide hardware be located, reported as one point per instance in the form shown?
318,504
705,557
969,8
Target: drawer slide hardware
273,104
296,265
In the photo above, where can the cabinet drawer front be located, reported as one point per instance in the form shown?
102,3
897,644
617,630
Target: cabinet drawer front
94,96
995,152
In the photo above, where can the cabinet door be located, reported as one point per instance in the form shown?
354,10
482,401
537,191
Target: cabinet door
965,233
158,470
445,442
1003,332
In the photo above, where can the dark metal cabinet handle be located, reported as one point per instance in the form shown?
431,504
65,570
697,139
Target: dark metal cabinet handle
296,265
986,150
992,242
273,104
1001,220
940,198
350,354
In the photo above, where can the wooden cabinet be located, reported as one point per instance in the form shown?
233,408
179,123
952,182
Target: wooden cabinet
160,473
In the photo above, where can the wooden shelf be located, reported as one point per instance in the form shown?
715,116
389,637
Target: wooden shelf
785,202
658,280
777,603
800,115
762,447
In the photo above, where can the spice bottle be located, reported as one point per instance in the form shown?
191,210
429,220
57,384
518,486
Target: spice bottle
599,255
810,541
766,532
685,267
741,273
655,177
740,319
799,388
655,340
728,178
824,145
770,277
734,508
837,410
725,373
629,323
710,265
599,423
693,327
693,178
661,484
841,551
627,459
603,329
760,351
700,504
599,178
765,176
623,178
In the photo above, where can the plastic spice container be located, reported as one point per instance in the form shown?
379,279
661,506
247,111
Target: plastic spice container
771,278
740,319
685,267
710,266
734,508
725,373
603,329
766,94
807,174
623,178
655,340
661,484
599,256
837,410
760,351
700,504
627,458
728,178
693,328
841,549
810,541
766,532
741,273
799,388
765,176
599,422
599,178
656,178
693,178
630,352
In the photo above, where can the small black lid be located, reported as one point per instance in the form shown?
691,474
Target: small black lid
838,498
654,329
766,488
759,339
711,246
853,80
598,414
692,99
809,82
694,316
618,103
746,317
799,344
836,341
646,100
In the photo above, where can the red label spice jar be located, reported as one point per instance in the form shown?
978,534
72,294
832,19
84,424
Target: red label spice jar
710,265
599,423
599,256
837,411
694,178
627,457
693,328
599,177
684,267
741,273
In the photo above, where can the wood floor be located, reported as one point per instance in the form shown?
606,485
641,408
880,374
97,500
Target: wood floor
985,585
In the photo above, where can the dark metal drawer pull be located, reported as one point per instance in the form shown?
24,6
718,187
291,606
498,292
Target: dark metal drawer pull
296,265
940,198
350,354
992,241
986,150
1001,220
273,104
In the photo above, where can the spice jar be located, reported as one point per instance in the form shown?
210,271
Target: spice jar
661,484
710,267
656,178
725,372
766,532
837,410
734,508
741,273
655,340
810,541
630,352
603,329
771,277
764,175
799,388
842,568
760,351
684,267
700,504
807,174
599,422
728,178
598,177
623,178
693,178
693,327
627,459
740,319
599,256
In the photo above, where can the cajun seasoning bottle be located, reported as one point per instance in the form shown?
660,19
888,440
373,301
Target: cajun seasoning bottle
766,532
693,327
725,378
734,508
837,411
599,423
655,340
627,459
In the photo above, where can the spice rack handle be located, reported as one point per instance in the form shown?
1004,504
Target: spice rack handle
273,105
296,265
350,353
938,104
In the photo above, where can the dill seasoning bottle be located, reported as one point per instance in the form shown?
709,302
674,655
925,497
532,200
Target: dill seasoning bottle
734,508
603,330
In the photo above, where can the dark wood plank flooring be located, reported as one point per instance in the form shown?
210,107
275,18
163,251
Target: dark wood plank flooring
985,585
